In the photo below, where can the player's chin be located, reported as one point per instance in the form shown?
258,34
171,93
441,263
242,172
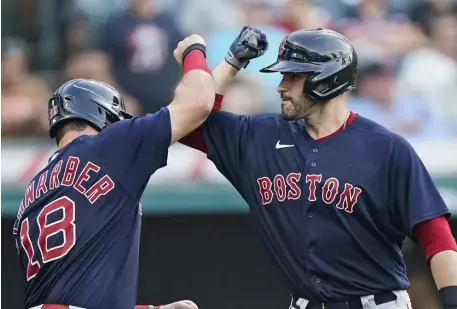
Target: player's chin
287,112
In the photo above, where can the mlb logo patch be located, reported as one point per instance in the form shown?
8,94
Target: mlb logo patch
281,46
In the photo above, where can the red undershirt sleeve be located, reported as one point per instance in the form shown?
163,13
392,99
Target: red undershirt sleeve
434,236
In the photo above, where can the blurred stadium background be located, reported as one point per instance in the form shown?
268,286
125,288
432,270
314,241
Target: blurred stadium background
197,238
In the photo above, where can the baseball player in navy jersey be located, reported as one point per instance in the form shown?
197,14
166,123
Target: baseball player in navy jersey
334,194
78,226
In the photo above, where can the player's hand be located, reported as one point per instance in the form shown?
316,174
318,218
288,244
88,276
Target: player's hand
249,44
182,304
182,46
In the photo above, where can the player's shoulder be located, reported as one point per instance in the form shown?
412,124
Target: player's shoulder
61,153
381,136
255,117
75,154
270,119
79,148
253,121
70,171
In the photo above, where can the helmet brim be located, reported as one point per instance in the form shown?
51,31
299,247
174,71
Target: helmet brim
285,66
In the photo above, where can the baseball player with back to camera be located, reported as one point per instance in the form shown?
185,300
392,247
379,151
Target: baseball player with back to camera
333,194
78,227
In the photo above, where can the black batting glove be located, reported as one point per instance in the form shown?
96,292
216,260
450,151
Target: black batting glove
249,44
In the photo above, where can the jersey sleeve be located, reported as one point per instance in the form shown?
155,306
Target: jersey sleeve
414,198
227,139
134,149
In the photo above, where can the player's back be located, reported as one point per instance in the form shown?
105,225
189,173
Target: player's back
78,232
78,225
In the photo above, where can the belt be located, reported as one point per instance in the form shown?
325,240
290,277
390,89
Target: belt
380,298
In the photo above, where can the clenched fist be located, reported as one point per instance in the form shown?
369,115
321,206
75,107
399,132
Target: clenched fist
184,44
249,44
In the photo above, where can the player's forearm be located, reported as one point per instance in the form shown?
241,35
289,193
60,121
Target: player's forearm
223,75
440,250
444,268
194,97
193,102
444,271
196,90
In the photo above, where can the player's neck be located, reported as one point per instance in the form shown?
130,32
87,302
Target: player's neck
328,119
71,135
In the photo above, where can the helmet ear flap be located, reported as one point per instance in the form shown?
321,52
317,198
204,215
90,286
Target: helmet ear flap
325,90
55,107
323,86
317,88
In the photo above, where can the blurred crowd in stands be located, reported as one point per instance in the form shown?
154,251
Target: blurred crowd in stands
408,54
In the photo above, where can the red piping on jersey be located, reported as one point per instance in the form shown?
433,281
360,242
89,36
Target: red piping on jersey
196,139
351,118
434,236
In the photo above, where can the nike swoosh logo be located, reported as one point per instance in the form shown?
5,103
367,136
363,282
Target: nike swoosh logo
279,146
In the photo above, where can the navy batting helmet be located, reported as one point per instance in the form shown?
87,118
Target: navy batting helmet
327,55
95,102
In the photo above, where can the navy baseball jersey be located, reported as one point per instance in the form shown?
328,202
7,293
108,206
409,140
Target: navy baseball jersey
332,214
78,226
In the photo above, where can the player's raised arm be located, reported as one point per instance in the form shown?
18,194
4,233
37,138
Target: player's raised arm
420,207
250,43
142,143
194,96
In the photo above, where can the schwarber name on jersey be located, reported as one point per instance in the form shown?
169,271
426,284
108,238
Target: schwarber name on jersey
78,226
332,214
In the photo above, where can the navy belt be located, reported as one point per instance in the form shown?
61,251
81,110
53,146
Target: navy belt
379,299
